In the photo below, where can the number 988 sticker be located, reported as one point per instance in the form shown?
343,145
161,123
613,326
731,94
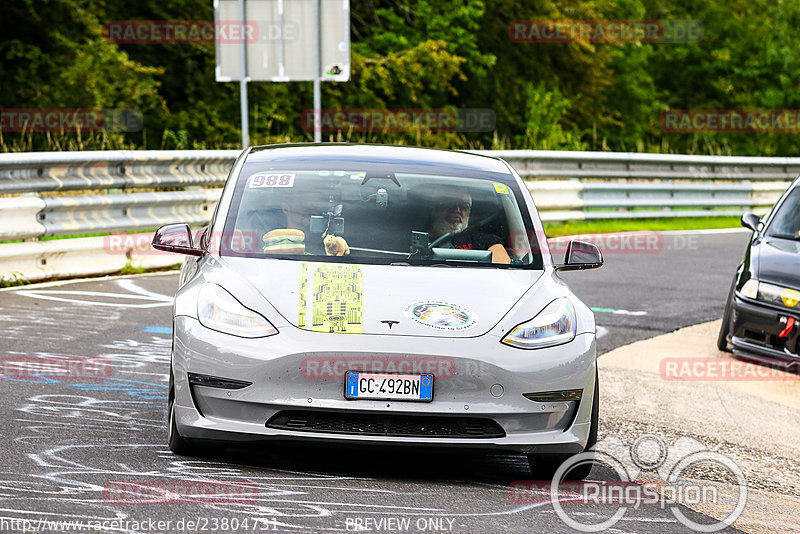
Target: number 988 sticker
271,180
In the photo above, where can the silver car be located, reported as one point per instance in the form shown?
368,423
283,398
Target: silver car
380,295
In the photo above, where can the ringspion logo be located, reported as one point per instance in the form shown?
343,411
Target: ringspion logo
648,471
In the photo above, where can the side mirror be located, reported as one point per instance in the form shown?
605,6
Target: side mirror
581,255
175,238
751,220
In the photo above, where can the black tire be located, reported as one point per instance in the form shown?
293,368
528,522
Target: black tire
544,466
725,327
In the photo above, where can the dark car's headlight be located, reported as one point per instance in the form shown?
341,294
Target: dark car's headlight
770,293
554,325
219,310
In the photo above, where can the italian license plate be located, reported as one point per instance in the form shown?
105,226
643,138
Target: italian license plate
388,386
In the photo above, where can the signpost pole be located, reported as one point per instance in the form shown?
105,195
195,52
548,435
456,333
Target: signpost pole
243,81
317,72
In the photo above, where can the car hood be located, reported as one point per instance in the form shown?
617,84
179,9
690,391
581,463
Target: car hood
387,299
779,262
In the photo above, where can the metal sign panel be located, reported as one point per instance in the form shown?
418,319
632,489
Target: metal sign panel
280,36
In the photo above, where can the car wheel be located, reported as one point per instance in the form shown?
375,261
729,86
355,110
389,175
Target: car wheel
725,327
544,466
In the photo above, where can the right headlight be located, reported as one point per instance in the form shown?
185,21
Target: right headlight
554,325
770,293
219,310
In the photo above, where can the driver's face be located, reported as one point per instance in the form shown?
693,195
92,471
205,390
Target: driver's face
450,213
301,206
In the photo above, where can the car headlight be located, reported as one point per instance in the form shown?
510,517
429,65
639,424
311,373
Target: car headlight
554,325
770,293
219,310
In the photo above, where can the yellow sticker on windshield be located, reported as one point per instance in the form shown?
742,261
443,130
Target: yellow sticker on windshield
336,299
301,320
501,188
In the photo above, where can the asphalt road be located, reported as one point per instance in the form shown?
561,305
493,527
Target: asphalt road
677,280
68,446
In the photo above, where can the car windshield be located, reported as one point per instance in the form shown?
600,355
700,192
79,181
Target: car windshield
370,214
786,222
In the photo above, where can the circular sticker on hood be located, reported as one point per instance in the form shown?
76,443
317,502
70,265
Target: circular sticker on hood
441,315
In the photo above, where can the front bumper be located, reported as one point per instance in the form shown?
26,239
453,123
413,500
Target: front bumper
474,379
756,329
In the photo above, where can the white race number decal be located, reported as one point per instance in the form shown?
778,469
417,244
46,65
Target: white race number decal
272,180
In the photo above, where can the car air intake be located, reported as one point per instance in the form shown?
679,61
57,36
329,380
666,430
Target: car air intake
385,424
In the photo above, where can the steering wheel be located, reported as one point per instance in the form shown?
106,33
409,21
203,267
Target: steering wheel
441,239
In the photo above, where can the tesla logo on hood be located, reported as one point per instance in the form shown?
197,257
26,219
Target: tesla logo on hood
390,323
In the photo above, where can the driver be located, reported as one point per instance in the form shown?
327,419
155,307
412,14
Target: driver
450,212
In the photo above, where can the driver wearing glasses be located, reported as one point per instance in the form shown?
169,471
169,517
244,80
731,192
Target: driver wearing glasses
449,213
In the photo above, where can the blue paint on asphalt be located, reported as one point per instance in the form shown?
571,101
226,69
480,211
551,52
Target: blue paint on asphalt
157,330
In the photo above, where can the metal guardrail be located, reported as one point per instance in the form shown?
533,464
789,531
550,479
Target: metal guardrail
120,169
564,185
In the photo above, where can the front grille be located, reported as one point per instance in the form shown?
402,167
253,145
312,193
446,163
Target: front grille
386,424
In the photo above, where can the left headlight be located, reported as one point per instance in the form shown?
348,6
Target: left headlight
554,325
782,296
219,310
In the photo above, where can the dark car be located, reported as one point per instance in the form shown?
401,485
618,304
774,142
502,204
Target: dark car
762,313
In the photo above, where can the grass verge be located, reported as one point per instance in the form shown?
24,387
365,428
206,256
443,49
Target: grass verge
632,225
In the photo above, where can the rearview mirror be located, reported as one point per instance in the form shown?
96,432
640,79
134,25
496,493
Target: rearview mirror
175,238
581,255
751,220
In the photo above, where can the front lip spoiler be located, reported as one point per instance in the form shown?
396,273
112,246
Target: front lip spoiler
764,355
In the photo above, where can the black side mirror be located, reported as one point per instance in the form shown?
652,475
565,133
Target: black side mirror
751,220
175,238
581,255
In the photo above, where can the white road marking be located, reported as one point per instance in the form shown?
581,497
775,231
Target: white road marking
601,331
54,294
129,285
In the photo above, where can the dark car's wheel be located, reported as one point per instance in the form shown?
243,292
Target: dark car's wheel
544,466
725,327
